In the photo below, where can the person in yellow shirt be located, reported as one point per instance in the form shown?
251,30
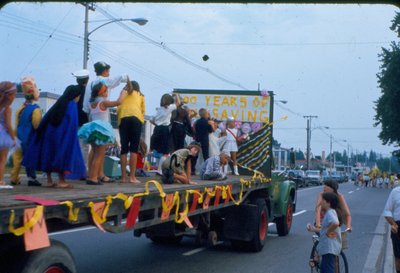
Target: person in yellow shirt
27,119
130,121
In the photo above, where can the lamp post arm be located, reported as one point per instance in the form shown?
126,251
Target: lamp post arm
109,22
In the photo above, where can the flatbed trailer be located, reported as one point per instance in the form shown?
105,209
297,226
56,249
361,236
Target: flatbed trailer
237,209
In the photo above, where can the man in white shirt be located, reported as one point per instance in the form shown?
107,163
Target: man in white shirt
392,215
102,70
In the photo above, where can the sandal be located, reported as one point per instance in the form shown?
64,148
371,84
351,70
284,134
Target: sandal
64,186
90,182
106,179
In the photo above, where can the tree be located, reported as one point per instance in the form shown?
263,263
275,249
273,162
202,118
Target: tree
387,106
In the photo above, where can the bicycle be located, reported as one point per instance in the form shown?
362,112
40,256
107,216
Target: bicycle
315,259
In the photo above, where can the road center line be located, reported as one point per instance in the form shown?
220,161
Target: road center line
197,250
350,192
300,212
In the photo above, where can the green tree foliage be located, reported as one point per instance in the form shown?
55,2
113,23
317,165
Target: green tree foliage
387,106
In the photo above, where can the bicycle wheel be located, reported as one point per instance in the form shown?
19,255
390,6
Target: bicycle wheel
314,259
343,265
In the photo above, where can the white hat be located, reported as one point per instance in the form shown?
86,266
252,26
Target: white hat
81,74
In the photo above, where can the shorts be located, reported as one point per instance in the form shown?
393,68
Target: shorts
130,130
396,242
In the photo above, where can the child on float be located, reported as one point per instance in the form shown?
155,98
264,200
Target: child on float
99,132
55,144
230,146
180,164
212,168
27,120
7,136
161,138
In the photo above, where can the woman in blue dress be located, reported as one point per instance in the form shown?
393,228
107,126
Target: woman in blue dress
55,145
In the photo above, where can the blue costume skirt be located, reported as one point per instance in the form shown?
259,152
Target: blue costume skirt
57,149
97,132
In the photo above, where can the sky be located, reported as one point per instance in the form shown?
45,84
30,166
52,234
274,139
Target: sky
321,59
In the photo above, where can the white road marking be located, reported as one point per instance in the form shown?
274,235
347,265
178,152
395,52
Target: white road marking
358,189
197,250
299,212
71,231
350,192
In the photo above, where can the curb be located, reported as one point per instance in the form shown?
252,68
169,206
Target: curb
388,262
380,255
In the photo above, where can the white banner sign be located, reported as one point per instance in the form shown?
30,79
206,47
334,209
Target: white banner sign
240,107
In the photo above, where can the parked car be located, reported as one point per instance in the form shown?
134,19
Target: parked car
313,177
298,177
325,176
335,176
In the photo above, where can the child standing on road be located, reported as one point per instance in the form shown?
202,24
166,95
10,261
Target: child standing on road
330,242
230,146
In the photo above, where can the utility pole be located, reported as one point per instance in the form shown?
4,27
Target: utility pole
88,6
308,138
331,155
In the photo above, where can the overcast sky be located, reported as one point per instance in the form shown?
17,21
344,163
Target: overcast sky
322,59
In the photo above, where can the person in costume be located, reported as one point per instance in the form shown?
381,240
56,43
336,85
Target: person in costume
27,119
99,132
230,147
102,70
55,145
130,122
7,136
160,139
82,79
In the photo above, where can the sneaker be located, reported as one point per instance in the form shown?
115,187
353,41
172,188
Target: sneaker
34,183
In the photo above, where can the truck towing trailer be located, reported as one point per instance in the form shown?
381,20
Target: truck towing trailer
237,209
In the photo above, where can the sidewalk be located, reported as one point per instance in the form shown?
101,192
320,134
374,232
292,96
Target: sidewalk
380,256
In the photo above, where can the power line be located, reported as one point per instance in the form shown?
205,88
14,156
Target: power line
169,50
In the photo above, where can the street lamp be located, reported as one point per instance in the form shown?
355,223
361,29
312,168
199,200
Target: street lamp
281,101
139,21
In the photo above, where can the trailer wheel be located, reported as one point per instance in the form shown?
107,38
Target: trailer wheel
284,223
260,226
53,259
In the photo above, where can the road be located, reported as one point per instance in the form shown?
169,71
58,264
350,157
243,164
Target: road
97,252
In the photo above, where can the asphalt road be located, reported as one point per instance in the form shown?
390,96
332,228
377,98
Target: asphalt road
99,252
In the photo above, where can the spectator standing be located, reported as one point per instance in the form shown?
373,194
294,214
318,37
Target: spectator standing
392,215
130,122
27,119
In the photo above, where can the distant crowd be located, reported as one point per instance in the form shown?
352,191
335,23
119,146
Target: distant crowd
73,137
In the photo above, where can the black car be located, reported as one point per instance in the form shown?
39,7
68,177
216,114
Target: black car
298,177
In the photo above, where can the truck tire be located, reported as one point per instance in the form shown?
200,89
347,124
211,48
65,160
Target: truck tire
53,259
284,223
260,227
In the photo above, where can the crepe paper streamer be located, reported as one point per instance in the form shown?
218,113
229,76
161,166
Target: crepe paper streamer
38,214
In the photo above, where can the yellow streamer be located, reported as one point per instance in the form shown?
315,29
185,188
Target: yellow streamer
28,225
